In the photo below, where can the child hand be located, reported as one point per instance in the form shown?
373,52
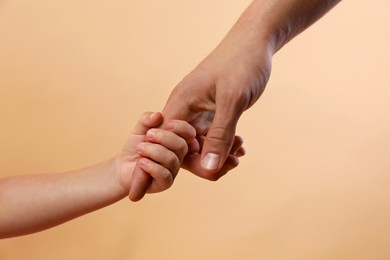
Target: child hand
159,152
141,182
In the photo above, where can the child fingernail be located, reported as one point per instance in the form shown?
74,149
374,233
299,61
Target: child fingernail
140,147
154,135
143,162
210,161
151,133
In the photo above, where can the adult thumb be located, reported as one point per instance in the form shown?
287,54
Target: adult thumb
219,139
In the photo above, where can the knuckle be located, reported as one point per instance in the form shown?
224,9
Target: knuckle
165,179
173,161
183,149
192,133
220,135
166,175
239,140
233,90
160,135
181,92
238,96
147,148
187,131
155,134
188,128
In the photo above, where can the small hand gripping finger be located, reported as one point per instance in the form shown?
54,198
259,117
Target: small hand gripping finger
167,148
175,139
141,180
161,163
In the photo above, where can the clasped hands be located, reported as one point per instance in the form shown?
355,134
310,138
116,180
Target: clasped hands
206,106
152,156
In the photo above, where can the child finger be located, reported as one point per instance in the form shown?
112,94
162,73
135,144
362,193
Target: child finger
240,152
146,121
162,177
139,183
200,139
159,154
169,140
193,147
237,144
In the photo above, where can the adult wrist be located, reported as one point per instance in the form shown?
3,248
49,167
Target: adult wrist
260,27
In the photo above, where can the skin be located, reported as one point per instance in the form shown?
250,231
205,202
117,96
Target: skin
211,98
36,202
231,79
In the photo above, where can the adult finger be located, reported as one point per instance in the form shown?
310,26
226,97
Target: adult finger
192,163
220,137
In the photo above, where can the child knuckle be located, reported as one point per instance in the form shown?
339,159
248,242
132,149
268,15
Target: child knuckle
166,178
183,148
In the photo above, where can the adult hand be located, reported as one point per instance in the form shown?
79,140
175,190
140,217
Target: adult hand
215,94
232,78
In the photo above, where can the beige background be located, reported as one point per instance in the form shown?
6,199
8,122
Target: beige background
315,184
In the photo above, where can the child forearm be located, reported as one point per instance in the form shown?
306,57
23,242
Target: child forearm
36,202
33,203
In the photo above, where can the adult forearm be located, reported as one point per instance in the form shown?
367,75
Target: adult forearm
278,21
36,202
